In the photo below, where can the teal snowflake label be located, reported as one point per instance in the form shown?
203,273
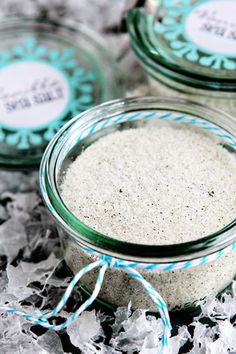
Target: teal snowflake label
202,31
39,89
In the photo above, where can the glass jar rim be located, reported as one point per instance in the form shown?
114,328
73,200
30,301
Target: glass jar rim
86,236
157,64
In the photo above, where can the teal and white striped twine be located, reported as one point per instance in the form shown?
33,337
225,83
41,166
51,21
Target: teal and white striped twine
104,261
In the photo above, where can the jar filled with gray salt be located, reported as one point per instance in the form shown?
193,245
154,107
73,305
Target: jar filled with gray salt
150,181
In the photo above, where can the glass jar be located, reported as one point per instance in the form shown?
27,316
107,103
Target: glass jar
49,72
179,288
188,49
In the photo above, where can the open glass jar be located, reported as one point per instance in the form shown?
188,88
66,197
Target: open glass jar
188,49
180,288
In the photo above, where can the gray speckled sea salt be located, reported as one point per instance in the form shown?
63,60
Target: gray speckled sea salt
155,185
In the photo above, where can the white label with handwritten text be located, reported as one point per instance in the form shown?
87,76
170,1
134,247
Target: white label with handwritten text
32,94
212,26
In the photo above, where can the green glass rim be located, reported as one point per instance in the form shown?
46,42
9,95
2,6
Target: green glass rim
156,64
84,235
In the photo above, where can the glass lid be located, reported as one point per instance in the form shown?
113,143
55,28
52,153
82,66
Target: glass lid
193,38
49,72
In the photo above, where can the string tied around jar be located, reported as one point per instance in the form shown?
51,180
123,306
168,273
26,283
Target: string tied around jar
102,263
112,262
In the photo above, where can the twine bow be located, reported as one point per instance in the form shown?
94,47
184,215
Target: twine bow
104,262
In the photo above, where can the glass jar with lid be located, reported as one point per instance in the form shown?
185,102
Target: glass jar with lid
188,49
181,288
49,72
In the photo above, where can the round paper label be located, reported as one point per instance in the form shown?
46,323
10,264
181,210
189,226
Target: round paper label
32,93
211,26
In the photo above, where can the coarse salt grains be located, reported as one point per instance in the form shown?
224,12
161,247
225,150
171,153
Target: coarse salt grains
154,185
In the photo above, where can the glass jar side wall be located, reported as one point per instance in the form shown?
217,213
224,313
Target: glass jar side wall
166,87
181,289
